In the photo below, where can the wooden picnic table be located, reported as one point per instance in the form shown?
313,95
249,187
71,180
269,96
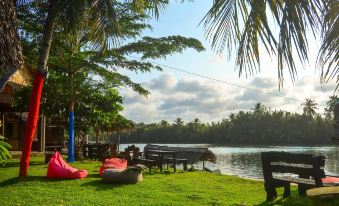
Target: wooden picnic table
161,157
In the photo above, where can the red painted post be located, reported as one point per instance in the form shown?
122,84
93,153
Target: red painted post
32,119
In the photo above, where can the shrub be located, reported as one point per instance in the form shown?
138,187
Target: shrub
4,153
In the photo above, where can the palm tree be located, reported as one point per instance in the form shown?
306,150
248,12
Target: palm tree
309,107
330,104
105,29
258,108
120,124
245,24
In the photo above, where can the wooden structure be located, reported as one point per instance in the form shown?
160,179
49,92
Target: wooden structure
12,120
131,154
307,169
324,195
160,157
96,151
192,155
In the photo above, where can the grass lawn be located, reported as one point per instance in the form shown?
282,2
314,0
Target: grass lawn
181,188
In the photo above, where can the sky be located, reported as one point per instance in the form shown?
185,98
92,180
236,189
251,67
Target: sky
177,94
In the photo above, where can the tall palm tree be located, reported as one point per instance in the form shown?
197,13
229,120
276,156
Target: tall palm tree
105,29
258,108
309,107
245,24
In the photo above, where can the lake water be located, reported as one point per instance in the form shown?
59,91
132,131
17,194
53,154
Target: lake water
245,161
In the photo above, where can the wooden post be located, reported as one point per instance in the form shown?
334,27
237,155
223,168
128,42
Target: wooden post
43,133
3,123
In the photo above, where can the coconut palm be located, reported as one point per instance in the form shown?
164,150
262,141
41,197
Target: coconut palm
104,28
121,124
330,104
258,108
245,24
309,107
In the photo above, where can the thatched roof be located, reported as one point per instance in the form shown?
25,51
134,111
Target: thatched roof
10,47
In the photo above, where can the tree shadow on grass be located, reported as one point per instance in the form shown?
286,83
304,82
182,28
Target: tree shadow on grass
17,164
16,180
96,175
101,185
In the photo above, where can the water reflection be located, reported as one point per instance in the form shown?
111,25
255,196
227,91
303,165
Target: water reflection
245,161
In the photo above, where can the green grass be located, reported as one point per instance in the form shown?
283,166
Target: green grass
181,188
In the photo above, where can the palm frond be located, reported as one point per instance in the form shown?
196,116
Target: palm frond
328,56
244,25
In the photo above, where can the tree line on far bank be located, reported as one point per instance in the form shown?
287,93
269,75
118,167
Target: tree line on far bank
259,126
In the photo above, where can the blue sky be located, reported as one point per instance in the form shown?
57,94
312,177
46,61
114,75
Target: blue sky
176,94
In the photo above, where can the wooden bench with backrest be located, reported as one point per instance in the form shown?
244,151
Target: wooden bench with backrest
280,169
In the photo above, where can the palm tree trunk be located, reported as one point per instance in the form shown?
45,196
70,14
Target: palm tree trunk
34,105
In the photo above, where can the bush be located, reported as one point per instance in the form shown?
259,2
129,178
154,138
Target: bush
4,153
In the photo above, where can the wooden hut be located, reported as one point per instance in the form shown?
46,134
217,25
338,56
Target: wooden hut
13,75
12,120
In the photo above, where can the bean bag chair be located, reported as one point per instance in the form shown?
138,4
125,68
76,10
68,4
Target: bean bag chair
330,179
113,163
58,168
131,175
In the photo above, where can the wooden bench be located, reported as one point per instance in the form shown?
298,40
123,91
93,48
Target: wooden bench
307,169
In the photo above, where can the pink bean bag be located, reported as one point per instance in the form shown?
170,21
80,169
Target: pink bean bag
58,168
113,163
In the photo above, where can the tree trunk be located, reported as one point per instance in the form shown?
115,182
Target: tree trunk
34,105
96,136
47,36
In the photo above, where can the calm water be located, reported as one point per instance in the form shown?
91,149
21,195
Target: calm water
245,161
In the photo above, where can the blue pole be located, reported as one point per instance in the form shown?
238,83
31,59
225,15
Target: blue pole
71,138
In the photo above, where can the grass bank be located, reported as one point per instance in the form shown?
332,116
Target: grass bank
181,188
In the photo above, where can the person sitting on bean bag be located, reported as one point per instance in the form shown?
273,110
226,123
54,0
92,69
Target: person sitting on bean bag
131,175
58,168
113,163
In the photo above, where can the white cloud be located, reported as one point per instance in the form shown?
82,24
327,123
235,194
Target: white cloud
192,97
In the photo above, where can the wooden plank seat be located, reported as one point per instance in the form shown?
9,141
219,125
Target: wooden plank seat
305,170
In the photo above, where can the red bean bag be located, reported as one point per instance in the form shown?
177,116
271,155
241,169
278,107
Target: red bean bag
58,168
330,179
113,163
